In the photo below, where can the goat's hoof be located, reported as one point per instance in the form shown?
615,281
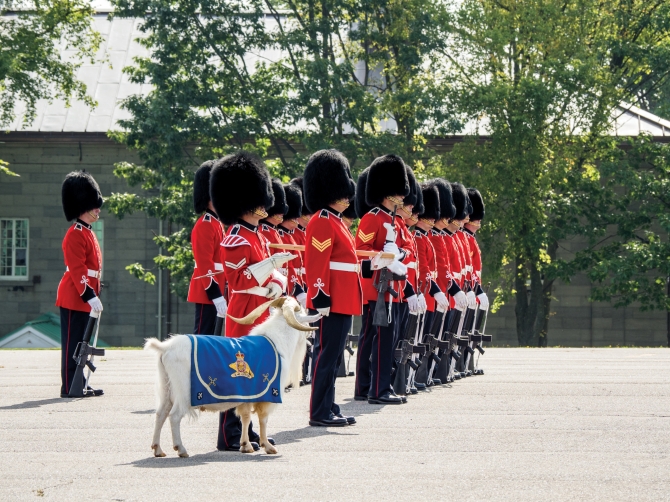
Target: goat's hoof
157,450
246,448
269,449
183,455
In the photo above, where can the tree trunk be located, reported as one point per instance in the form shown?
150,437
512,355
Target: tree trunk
532,305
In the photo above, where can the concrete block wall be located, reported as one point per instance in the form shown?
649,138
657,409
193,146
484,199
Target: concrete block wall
130,305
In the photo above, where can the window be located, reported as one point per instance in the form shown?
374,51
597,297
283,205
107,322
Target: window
14,249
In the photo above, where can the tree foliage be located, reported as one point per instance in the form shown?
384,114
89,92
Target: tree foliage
282,79
545,78
33,34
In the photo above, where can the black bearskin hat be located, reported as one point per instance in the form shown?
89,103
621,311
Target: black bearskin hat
418,205
201,186
293,201
327,178
298,182
413,195
460,195
350,212
279,206
447,208
477,204
361,206
431,202
239,183
387,176
79,193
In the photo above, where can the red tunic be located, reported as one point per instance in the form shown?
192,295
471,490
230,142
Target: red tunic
467,258
427,273
242,246
296,283
476,256
371,236
406,242
454,252
83,264
331,266
206,238
444,278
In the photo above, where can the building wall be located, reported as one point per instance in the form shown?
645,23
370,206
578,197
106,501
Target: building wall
42,163
43,160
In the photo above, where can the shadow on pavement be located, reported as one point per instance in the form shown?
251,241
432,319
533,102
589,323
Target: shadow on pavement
143,412
282,438
35,404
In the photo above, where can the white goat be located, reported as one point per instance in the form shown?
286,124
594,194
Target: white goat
285,327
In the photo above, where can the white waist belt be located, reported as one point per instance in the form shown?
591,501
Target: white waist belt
256,290
411,264
302,270
456,275
345,267
218,266
91,273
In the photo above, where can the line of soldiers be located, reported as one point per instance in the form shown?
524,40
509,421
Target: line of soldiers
418,291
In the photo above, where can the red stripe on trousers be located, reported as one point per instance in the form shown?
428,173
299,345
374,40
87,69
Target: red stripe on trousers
379,335
67,347
200,321
360,344
316,366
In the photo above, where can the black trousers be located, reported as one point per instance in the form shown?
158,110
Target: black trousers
403,320
72,328
375,358
329,342
205,319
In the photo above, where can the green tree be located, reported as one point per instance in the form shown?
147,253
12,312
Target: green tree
311,75
544,77
31,66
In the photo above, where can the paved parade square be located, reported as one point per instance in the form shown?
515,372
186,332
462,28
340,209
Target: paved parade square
542,424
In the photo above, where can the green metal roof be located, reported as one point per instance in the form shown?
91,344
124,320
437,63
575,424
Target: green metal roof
49,325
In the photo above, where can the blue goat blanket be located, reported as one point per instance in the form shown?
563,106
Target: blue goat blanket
246,369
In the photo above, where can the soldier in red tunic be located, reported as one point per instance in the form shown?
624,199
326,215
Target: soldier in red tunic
333,284
386,187
240,190
206,237
305,216
79,287
287,230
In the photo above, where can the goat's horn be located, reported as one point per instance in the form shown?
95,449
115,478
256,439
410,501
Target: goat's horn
279,302
251,317
289,315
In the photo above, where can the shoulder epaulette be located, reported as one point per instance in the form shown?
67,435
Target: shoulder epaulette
374,210
265,228
77,226
324,214
233,240
418,235
207,217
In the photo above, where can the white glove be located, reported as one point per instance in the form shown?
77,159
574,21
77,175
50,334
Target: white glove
471,299
441,300
378,262
96,304
390,232
324,312
274,291
221,306
483,301
461,300
278,276
302,300
413,303
391,247
397,268
422,304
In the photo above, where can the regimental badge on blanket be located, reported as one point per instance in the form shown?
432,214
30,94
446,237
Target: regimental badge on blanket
255,365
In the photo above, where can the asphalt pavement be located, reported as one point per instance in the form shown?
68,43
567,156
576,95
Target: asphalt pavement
541,424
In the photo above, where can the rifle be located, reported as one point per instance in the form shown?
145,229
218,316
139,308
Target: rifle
218,327
383,283
430,340
418,351
81,356
348,347
475,337
445,344
403,353
456,342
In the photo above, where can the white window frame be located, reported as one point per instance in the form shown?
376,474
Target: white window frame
18,277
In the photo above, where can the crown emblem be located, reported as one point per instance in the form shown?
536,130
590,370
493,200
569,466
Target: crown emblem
241,367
